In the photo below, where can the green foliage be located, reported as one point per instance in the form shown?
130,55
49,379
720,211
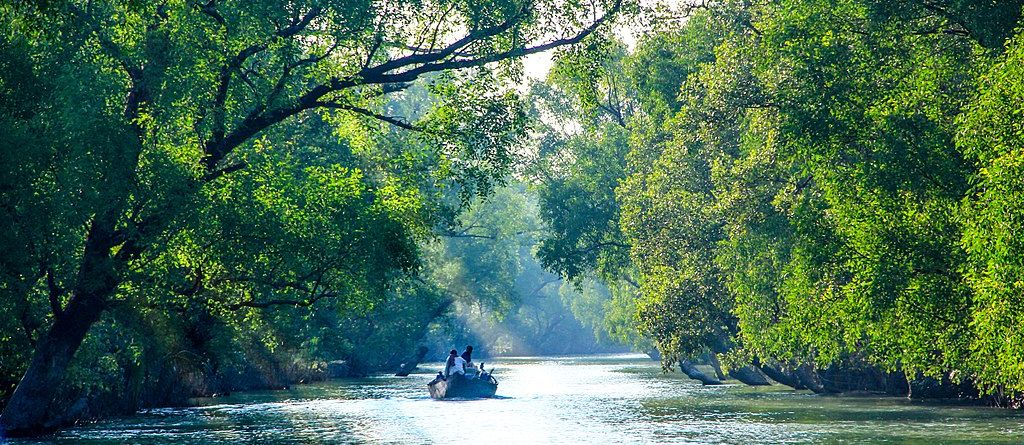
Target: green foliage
232,189
992,135
811,183
258,175
886,233
476,125
503,301
578,201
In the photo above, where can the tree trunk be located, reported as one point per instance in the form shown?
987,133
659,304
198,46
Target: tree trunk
716,365
694,373
810,379
782,376
28,412
410,365
749,375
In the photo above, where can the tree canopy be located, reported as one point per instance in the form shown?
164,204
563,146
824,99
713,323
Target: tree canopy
240,155
809,184
206,192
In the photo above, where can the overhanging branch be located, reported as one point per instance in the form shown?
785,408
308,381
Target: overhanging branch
389,119
409,68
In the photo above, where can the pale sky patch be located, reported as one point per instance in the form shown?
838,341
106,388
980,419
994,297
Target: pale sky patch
537,66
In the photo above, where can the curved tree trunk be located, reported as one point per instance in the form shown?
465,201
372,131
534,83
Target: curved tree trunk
29,411
784,377
696,374
810,379
410,365
716,365
749,375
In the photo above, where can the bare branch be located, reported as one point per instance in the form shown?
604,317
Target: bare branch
466,235
265,304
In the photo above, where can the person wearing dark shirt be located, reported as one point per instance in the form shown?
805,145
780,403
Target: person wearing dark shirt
467,355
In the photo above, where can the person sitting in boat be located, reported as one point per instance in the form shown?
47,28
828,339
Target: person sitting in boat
483,374
458,367
467,355
450,362
439,378
455,365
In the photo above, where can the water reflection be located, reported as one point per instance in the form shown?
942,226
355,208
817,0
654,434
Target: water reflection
608,399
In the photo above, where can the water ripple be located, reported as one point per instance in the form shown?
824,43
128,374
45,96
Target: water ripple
558,400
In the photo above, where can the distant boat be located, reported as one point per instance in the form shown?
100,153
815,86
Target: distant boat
462,387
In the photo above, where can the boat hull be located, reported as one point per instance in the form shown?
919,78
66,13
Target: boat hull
460,387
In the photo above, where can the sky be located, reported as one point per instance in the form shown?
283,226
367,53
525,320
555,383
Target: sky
536,66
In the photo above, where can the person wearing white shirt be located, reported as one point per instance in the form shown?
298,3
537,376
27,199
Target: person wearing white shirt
454,364
458,366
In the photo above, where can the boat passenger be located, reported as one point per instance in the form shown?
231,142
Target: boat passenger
458,366
468,354
450,362
438,378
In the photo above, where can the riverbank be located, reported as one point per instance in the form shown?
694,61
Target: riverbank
582,399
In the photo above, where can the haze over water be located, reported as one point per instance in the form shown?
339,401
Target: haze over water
594,400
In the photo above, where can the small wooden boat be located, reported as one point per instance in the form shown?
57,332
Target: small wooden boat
463,387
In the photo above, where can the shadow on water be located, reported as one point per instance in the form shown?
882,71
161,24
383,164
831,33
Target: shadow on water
471,399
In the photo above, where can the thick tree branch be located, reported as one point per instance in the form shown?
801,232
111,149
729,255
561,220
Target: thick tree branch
197,285
300,25
210,9
389,119
417,65
542,285
225,170
615,113
215,149
54,294
457,64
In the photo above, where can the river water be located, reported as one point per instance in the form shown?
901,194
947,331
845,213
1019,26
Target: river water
578,400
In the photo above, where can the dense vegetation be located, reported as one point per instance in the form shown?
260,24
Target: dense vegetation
199,197
195,192
830,191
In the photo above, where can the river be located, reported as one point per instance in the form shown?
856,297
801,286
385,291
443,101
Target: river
591,400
